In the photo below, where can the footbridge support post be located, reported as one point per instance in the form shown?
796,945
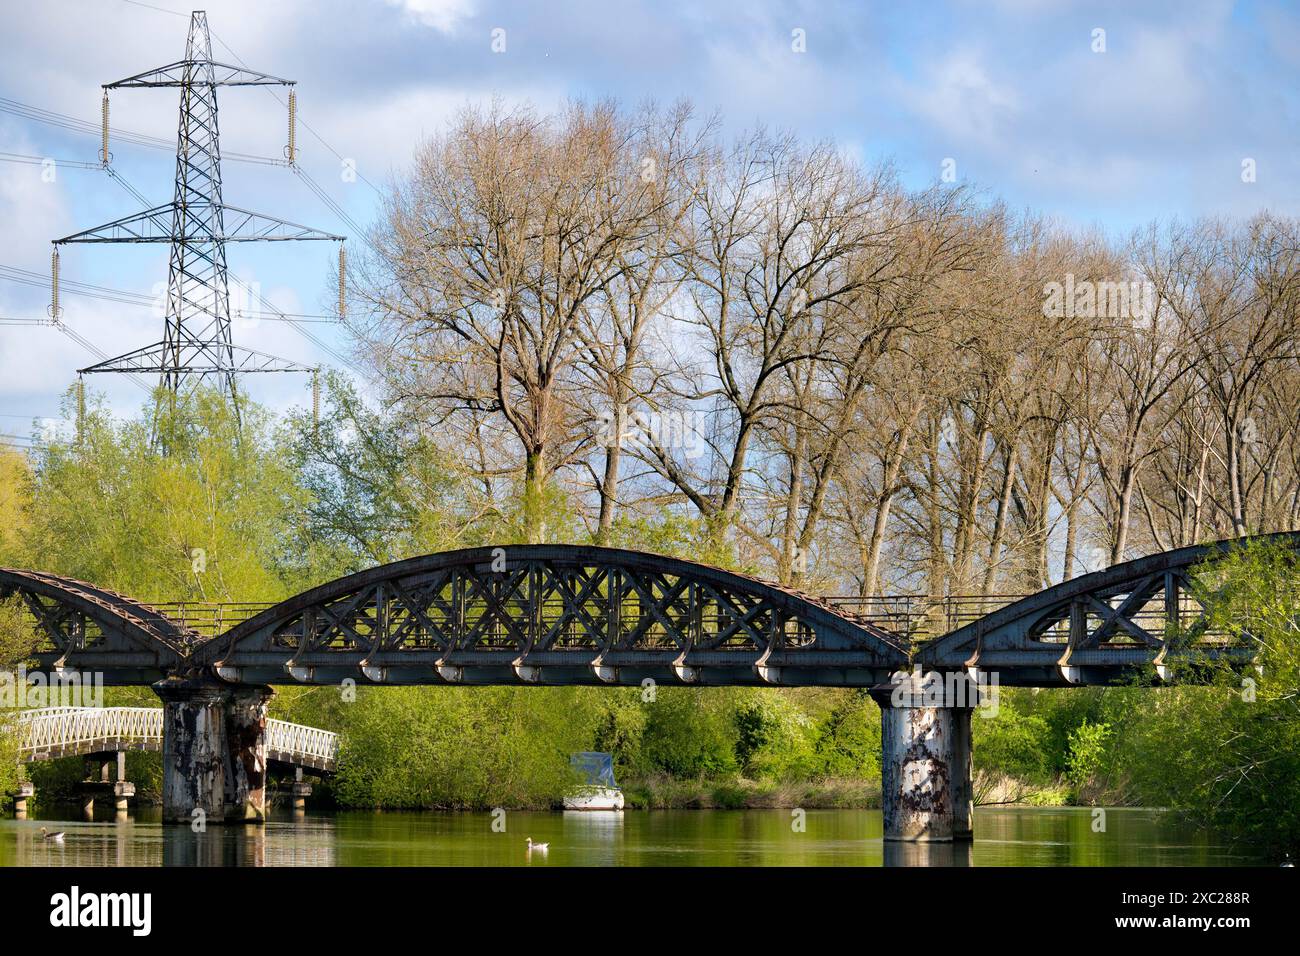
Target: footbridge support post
925,733
214,751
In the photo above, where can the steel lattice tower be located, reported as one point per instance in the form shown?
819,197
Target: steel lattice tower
197,224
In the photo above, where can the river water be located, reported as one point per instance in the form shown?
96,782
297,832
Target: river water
1005,836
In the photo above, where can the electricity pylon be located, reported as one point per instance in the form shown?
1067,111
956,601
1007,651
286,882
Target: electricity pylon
197,224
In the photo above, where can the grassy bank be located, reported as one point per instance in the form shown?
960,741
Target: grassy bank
663,792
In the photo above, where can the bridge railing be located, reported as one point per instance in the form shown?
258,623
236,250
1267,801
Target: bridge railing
921,618
57,731
309,744
210,618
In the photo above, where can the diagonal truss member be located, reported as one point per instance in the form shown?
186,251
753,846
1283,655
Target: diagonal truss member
197,224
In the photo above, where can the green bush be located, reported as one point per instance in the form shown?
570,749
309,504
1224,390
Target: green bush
1012,742
689,733
1087,751
848,739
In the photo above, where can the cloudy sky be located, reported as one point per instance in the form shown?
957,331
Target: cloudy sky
1100,114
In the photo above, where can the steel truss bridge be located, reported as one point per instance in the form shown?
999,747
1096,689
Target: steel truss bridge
559,614
51,732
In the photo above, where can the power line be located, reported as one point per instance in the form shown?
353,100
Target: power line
85,127
27,160
140,300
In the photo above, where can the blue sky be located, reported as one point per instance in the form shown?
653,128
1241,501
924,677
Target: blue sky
1156,126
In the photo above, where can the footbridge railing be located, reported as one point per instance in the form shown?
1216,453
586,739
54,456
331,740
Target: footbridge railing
68,731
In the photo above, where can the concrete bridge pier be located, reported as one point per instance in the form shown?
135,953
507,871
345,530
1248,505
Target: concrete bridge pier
214,751
245,782
194,750
123,789
301,791
925,731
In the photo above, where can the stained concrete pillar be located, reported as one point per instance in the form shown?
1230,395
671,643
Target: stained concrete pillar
963,794
194,749
925,727
245,783
123,791
26,791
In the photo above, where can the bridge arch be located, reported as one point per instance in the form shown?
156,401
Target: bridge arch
89,629
1098,628
553,614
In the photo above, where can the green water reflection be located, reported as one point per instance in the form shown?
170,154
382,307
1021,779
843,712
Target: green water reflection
1012,836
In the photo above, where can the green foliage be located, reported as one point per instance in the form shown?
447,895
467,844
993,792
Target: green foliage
379,489
774,738
689,733
675,535
444,748
1086,753
1230,754
848,739
202,519
1012,742
619,727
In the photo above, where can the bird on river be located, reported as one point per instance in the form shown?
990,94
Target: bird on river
55,837
541,847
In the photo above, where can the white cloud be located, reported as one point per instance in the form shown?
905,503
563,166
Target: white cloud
442,15
964,101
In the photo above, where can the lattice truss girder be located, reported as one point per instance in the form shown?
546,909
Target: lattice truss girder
62,628
539,607
1143,613
1161,610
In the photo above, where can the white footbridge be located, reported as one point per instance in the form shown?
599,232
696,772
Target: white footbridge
51,732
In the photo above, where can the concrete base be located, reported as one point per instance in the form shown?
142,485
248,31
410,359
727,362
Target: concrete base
925,762
214,751
301,791
26,791
123,791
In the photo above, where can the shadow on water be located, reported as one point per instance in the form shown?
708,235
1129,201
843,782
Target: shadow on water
1007,836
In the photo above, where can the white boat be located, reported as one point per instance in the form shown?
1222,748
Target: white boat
595,798
598,791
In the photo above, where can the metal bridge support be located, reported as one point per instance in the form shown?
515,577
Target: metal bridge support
926,758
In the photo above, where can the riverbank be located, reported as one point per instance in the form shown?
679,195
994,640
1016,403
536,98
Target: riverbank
662,792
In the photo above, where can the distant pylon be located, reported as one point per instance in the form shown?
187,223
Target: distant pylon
197,224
